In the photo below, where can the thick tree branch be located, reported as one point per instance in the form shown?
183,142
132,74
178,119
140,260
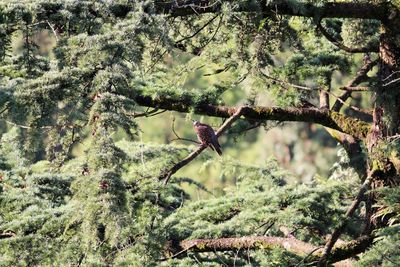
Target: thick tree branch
353,149
326,10
5,235
167,175
293,245
328,118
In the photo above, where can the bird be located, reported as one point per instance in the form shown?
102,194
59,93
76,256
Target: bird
207,136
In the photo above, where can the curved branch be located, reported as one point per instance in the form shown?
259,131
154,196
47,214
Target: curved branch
342,46
198,31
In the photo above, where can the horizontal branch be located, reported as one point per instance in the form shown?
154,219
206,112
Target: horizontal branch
293,245
355,88
328,118
284,7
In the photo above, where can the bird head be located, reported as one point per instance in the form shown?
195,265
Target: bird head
196,123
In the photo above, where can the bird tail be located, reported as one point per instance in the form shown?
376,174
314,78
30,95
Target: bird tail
217,148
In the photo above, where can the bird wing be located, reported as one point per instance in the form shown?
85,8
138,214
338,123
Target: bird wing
214,141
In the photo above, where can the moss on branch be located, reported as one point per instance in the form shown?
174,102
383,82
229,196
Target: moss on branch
330,119
293,245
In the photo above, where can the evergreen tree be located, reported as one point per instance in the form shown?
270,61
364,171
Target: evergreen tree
79,80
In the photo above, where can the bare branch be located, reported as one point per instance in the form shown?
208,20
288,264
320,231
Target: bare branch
198,31
167,175
359,78
355,88
324,94
178,137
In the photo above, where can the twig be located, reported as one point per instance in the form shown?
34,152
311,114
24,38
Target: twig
392,81
7,106
338,231
177,254
247,129
355,88
198,31
167,175
178,137
359,78
388,77
54,30
152,113
308,255
306,88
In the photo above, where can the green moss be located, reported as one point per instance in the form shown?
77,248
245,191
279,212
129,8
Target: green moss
351,126
263,245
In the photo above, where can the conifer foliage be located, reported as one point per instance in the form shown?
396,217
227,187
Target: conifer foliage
79,80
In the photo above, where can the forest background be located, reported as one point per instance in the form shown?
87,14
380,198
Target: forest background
97,161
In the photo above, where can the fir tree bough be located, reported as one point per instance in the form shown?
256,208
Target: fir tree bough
81,82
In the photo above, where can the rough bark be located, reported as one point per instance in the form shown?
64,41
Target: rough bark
328,118
293,245
387,93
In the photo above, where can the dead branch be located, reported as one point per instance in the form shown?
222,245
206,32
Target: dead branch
8,234
359,78
178,137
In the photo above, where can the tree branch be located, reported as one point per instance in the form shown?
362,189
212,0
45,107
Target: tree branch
328,118
355,88
359,78
167,175
338,231
198,31
293,245
341,45
285,7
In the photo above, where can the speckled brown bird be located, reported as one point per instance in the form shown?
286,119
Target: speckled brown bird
207,136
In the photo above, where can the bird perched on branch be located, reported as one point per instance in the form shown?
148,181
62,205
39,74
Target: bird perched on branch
207,136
